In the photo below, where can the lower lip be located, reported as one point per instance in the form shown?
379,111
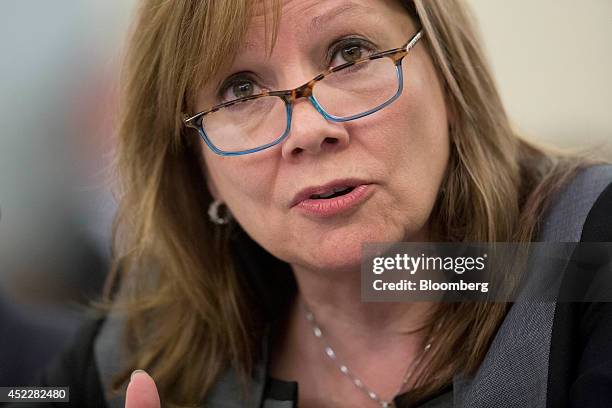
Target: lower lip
336,205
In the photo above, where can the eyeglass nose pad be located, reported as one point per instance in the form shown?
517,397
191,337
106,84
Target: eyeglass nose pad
313,101
309,136
318,107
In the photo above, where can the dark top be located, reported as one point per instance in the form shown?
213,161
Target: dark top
580,368
43,333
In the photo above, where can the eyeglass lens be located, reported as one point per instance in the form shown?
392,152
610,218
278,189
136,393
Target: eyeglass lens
342,94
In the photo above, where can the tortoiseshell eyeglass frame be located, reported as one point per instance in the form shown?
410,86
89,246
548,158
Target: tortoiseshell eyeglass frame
306,91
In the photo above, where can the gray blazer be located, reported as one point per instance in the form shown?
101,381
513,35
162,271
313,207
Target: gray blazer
506,378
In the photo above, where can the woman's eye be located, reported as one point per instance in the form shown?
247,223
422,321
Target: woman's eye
349,52
238,88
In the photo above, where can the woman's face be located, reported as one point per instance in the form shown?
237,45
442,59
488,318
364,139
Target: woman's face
398,154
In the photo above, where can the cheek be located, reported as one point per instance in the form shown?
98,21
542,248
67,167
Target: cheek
410,140
411,135
424,128
422,104
244,184
424,147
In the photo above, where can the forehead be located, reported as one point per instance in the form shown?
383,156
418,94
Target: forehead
299,28
304,19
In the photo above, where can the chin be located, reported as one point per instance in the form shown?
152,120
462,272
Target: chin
341,259
341,249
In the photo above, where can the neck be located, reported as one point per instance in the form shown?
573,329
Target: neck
334,297
377,341
335,301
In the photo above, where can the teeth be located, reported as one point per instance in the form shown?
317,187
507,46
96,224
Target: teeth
326,195
330,193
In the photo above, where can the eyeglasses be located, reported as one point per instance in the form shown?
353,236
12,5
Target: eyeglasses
346,92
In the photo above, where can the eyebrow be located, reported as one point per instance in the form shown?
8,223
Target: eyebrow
320,21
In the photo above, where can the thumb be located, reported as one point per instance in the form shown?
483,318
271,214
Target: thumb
141,391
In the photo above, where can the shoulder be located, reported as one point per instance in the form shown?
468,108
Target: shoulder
570,210
580,364
580,369
598,225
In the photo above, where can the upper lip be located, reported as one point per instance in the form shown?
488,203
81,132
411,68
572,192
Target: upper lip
320,189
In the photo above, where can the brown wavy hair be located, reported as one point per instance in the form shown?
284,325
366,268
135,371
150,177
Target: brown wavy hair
176,271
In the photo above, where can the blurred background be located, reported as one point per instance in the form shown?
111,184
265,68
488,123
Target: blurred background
58,67
58,79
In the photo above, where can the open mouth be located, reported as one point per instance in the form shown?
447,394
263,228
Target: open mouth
335,192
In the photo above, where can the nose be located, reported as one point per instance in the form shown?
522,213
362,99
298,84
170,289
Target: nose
311,132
